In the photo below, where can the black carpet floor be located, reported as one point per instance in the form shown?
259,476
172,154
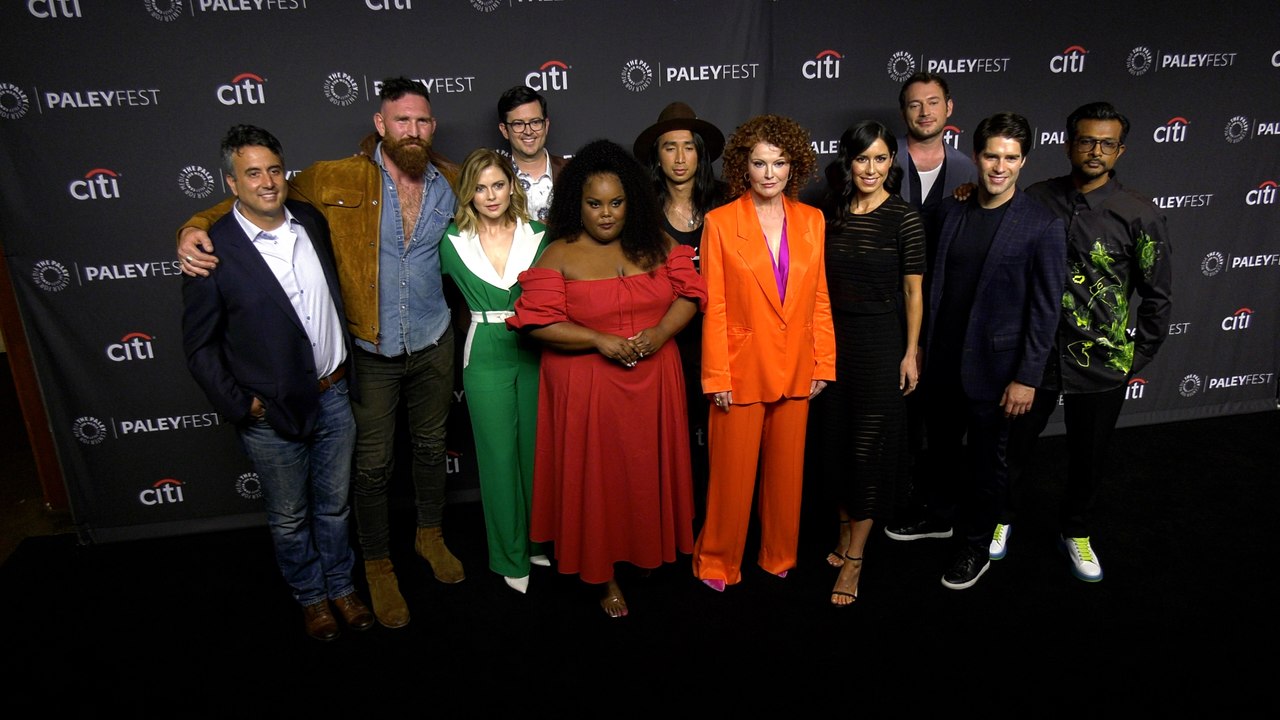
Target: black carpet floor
1185,622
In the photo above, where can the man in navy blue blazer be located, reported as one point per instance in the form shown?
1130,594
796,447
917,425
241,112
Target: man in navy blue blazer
993,308
266,339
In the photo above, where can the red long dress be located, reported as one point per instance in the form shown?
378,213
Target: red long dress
611,479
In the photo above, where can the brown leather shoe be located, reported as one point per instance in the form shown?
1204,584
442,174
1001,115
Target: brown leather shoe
319,621
353,612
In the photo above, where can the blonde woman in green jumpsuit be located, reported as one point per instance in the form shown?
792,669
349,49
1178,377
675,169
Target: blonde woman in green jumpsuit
490,243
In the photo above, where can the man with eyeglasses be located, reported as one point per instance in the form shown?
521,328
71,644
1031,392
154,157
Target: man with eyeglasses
1117,245
387,209
523,121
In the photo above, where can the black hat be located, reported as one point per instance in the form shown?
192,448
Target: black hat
679,116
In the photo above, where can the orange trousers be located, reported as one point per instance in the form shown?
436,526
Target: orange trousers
768,437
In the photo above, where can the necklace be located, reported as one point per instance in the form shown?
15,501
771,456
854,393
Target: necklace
689,219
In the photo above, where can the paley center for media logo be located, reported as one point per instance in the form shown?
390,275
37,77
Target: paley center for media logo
1143,59
902,65
1215,262
53,276
14,103
341,89
637,75
249,486
164,10
196,182
1237,129
90,430
1192,383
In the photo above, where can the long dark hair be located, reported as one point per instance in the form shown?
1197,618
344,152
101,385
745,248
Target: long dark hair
643,241
854,141
708,193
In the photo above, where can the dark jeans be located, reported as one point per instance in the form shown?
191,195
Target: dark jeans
306,485
1090,419
425,380
968,441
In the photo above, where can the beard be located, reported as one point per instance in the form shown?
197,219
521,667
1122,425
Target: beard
410,154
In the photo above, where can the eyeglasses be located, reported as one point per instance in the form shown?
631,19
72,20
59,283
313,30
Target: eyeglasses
1086,144
534,126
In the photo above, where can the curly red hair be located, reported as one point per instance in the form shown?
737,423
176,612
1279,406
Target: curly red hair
782,132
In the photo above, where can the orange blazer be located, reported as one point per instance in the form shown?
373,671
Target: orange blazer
752,343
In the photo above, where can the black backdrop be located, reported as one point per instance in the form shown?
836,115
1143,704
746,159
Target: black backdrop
111,112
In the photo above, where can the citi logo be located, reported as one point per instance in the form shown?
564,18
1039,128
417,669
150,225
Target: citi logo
1070,61
551,75
98,184
134,346
163,492
951,136
1174,131
825,65
54,8
452,462
244,89
1135,388
389,4
1265,194
1238,320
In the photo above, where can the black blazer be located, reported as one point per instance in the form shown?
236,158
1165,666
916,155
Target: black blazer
1019,296
242,337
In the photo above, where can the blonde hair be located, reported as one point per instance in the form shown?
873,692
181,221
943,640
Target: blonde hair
478,161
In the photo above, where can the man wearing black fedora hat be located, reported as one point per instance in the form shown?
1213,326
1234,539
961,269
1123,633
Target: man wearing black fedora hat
679,150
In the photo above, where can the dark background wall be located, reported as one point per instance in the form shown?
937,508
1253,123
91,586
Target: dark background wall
111,113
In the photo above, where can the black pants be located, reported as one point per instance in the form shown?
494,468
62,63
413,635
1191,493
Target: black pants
968,440
1090,420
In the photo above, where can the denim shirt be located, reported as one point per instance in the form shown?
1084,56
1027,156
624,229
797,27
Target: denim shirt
412,312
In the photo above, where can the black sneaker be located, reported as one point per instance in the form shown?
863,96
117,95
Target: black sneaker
966,568
919,529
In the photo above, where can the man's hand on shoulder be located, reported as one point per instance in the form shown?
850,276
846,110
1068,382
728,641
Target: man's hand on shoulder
195,252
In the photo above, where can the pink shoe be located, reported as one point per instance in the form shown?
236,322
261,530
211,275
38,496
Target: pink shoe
717,585
783,575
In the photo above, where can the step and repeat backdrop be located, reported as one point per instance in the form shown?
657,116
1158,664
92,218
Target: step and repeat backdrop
111,112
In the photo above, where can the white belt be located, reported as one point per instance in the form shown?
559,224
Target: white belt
491,316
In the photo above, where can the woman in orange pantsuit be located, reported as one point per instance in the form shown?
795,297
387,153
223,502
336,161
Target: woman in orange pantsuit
767,346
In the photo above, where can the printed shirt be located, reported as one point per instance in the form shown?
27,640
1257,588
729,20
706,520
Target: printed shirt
1117,244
